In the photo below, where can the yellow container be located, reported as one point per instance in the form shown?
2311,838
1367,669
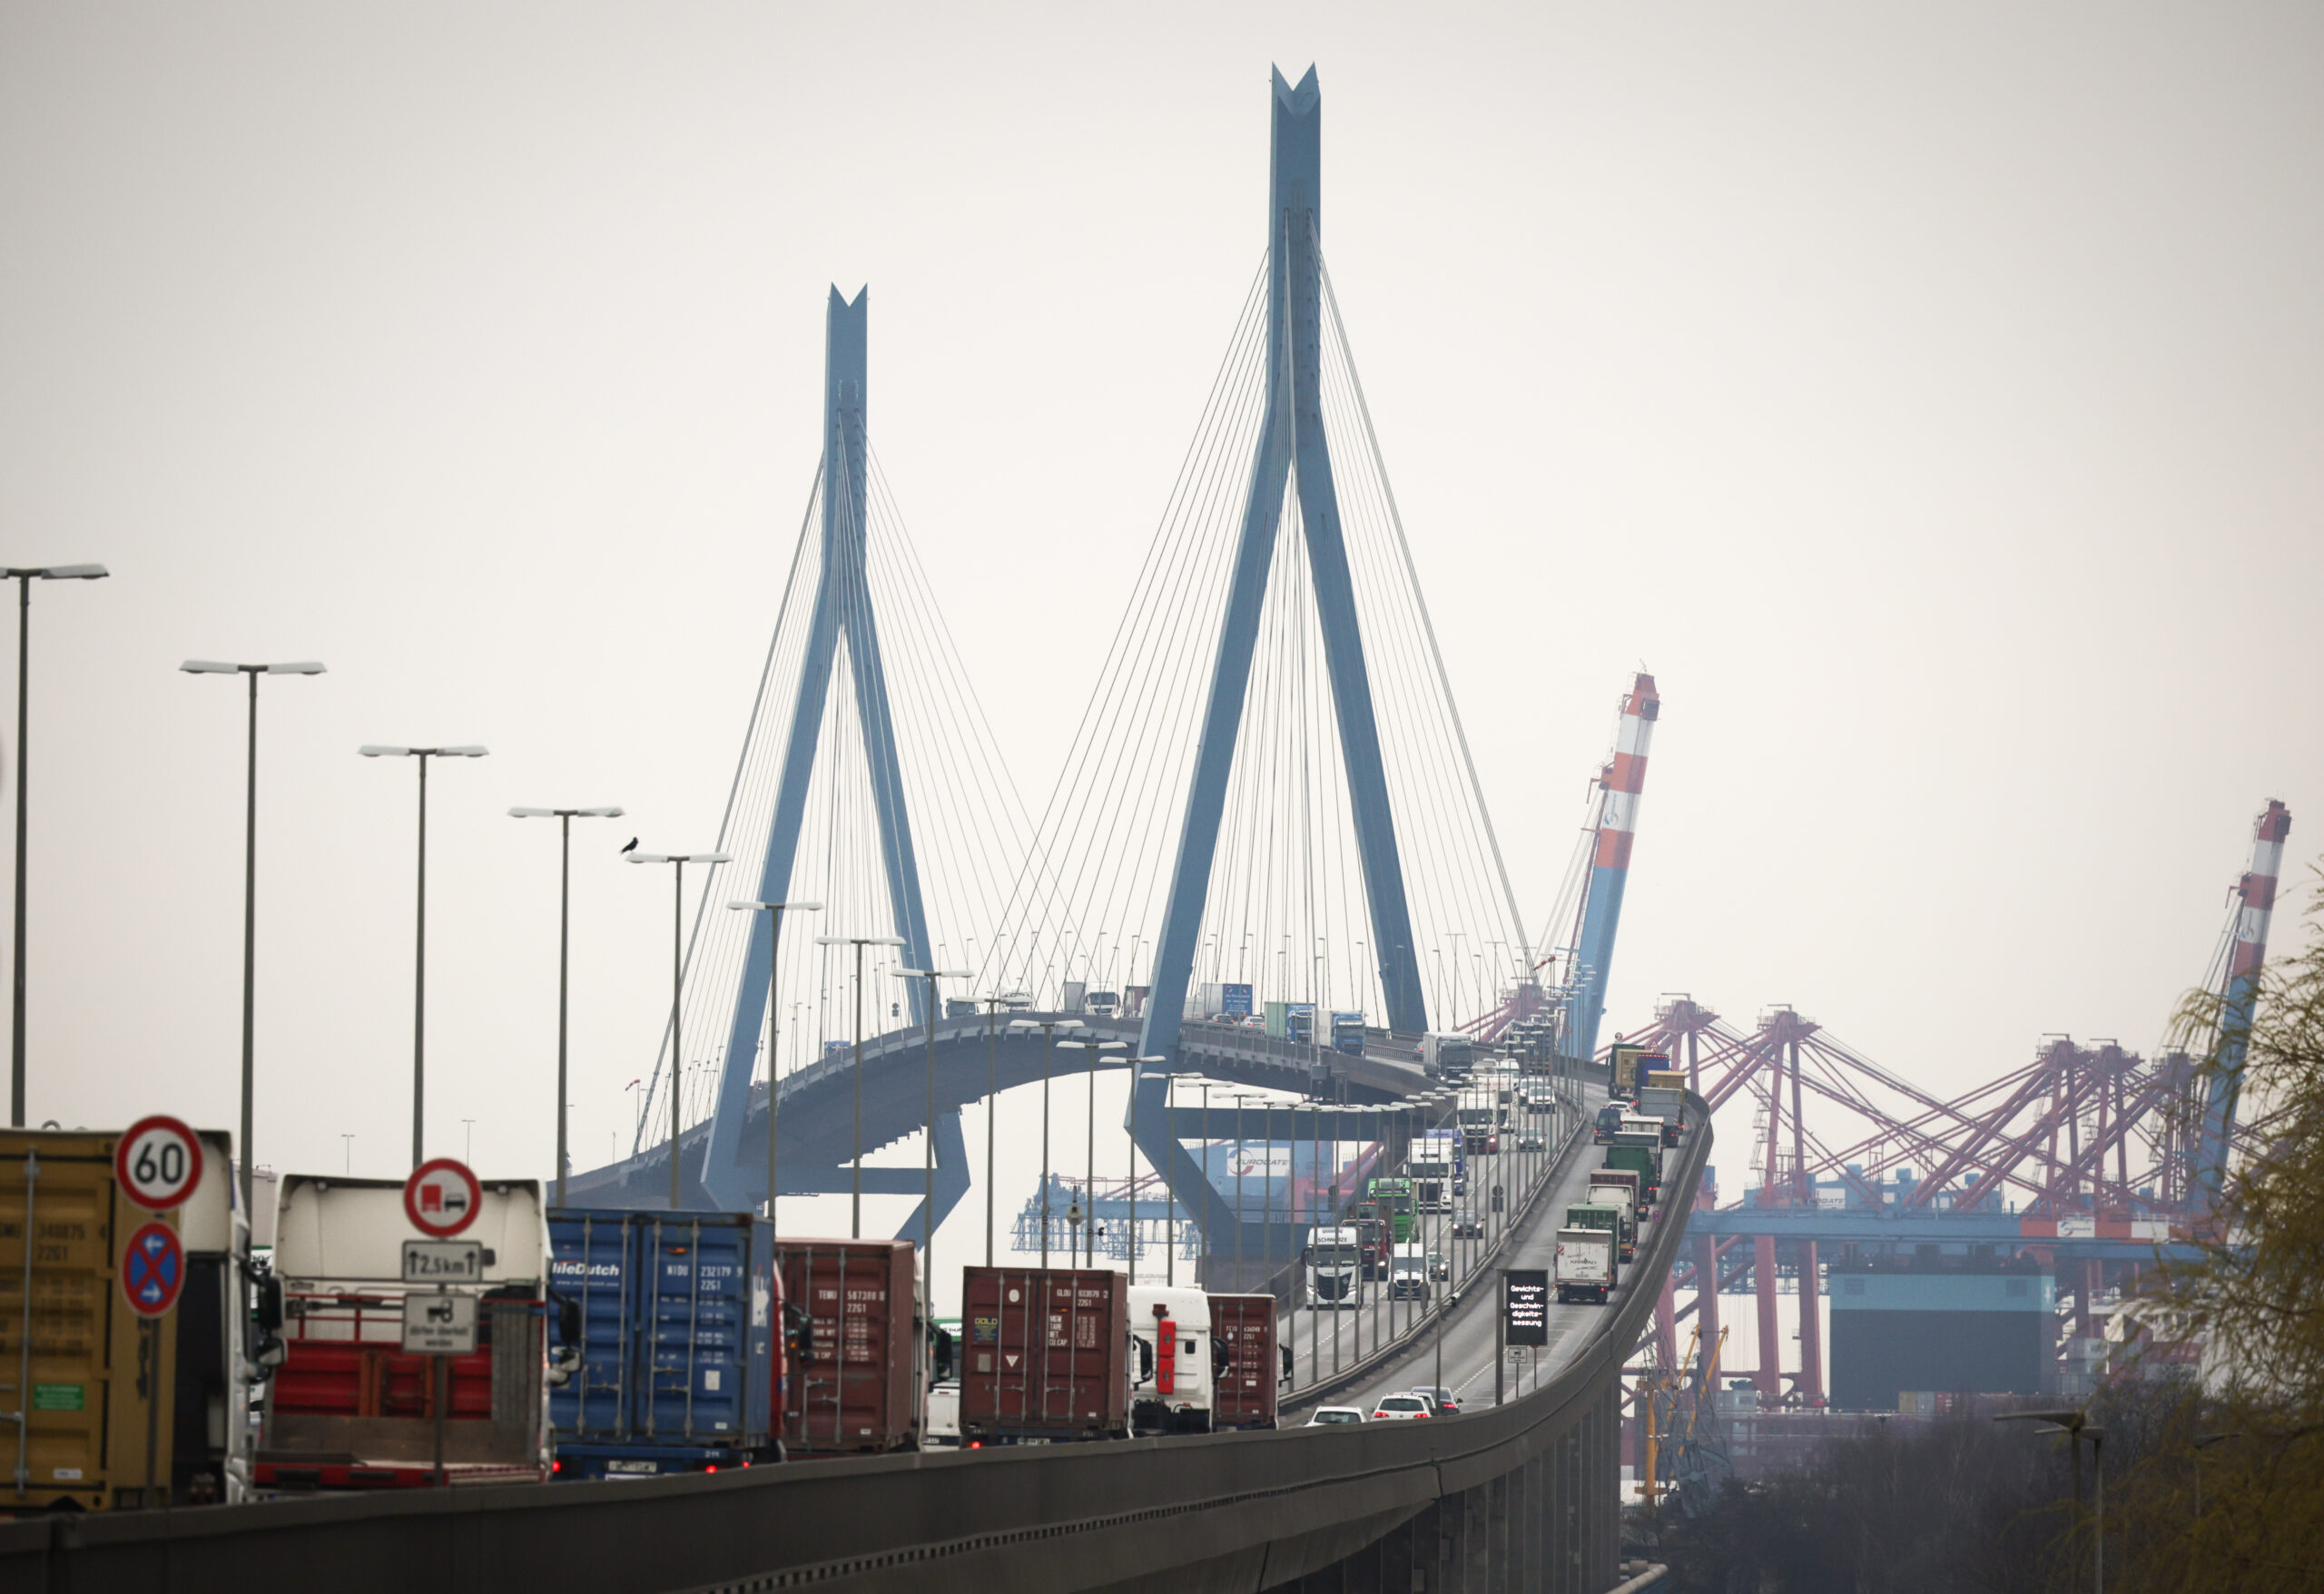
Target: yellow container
79,1414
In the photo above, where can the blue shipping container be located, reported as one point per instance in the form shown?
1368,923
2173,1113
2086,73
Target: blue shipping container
679,1313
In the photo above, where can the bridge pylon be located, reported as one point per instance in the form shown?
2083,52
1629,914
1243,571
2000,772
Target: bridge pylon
843,615
1291,452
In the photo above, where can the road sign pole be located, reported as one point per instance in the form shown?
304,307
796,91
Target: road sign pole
443,1365
151,1328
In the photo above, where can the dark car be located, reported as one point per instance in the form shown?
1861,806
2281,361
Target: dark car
1609,1119
1466,1222
1443,1400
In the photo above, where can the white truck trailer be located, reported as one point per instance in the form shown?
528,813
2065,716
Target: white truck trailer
1585,1264
1170,1365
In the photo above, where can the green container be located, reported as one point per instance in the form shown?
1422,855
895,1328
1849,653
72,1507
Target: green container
1628,1151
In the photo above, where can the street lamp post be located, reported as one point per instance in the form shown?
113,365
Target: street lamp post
991,1111
420,944
855,1220
2076,1426
677,986
1137,1072
1048,1026
775,910
24,576
565,817
249,888
1089,1177
928,1141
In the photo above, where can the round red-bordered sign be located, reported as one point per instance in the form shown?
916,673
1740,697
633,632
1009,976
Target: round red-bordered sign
152,1269
442,1197
158,1161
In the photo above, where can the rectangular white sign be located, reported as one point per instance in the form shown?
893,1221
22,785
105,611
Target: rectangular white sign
443,1261
439,1325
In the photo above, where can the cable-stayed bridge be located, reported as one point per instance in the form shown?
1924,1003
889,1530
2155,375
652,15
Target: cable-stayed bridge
1267,860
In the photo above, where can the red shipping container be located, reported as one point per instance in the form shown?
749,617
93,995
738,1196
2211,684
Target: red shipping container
1046,1355
1242,1330
853,1383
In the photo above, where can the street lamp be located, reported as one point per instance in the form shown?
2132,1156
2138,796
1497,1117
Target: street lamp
678,861
2077,1426
565,817
928,1141
1089,1179
250,886
1136,1072
856,1229
24,576
1048,1026
773,1057
420,952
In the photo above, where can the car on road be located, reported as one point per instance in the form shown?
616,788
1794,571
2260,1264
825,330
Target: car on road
1610,1121
1528,1141
1465,1222
1439,1269
1400,1408
1443,1400
1336,1416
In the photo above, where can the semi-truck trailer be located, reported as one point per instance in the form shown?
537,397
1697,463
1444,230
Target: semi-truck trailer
1642,1152
1585,1266
1619,1187
85,1425
1667,1105
1437,1162
349,1408
860,1354
681,1344
1243,1356
1046,1356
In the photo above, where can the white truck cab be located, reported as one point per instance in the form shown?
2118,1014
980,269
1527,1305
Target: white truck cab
1171,1374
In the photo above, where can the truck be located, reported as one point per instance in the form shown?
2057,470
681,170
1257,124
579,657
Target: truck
1408,1277
1603,1215
1437,1161
349,1408
1393,1198
1585,1269
1334,1265
1479,1131
1628,1070
1669,1105
1243,1358
1347,1034
1665,1079
1046,1356
1226,1001
858,1354
1643,1153
680,1365
1102,1004
1447,1056
82,1438
1171,1370
1619,1187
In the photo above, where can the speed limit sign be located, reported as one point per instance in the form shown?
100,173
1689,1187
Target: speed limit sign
158,1163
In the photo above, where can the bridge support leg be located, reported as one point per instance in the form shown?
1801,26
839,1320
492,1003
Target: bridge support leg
1763,1283
1707,1289
1811,1325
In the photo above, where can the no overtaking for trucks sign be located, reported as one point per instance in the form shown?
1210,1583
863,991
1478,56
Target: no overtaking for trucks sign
442,1197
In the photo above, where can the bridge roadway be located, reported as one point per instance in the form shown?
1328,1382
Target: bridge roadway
1468,1326
1519,1497
817,1125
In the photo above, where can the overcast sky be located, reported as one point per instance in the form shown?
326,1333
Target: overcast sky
1927,395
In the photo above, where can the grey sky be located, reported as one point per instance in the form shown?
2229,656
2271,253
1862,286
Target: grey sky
1927,395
